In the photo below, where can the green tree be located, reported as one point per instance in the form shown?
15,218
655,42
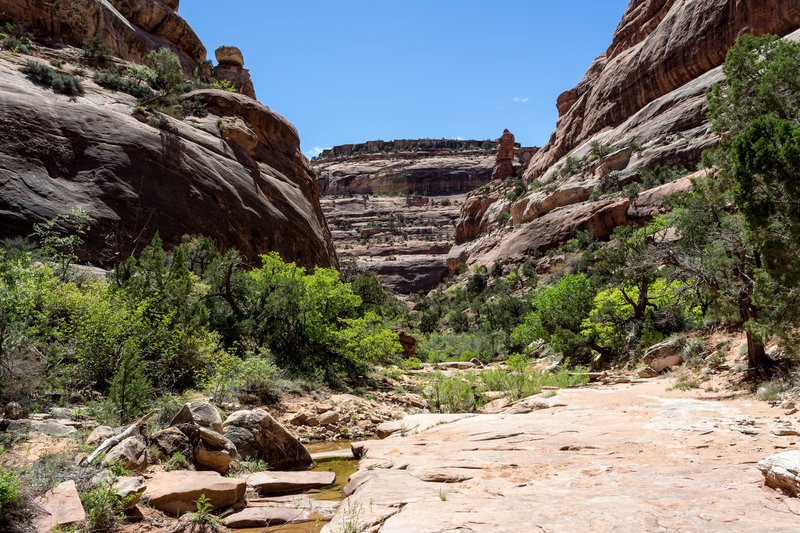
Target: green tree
60,237
130,388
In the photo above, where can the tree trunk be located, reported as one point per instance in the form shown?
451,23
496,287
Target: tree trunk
756,353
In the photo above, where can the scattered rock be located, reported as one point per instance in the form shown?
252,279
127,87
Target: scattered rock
266,516
330,417
131,451
62,505
130,489
299,419
202,414
782,472
176,492
276,483
99,435
13,411
646,372
257,435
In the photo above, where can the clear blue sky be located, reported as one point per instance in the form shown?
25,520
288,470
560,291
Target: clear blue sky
351,71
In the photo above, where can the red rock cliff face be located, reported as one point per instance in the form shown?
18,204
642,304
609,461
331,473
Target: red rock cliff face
659,46
236,175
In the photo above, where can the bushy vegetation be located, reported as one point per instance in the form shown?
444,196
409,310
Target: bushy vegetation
46,76
192,318
14,38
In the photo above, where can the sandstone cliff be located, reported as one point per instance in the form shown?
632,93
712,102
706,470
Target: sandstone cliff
237,175
641,105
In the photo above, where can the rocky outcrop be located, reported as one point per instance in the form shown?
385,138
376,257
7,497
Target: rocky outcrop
658,47
640,105
561,224
135,179
132,28
177,492
504,162
231,68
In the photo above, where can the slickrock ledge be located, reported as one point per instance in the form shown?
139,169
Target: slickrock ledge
621,458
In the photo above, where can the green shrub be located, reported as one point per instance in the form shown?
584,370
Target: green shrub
115,82
178,461
10,496
104,508
449,394
96,50
168,70
44,75
16,39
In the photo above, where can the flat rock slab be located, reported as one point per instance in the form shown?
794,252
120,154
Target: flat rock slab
266,516
176,492
289,482
318,509
51,427
346,453
62,505
626,458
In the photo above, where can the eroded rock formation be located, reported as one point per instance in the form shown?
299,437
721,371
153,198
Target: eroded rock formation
504,162
237,175
231,68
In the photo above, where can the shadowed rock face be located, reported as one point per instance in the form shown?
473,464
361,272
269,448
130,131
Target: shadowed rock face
255,191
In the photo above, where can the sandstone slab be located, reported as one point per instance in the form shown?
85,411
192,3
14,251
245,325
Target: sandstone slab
62,506
276,483
176,492
266,516
782,471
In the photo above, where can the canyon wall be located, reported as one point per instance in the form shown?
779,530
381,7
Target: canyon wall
641,106
237,174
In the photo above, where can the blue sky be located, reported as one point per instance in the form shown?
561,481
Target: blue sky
351,71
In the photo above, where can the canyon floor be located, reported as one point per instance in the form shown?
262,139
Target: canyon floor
624,457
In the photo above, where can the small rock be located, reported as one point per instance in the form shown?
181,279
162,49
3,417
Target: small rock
664,354
312,421
131,451
477,362
785,431
63,506
129,489
214,451
298,419
99,435
13,411
328,418
789,412
172,440
647,372
39,417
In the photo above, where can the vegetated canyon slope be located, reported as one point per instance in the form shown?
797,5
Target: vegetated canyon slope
237,175
392,205
640,106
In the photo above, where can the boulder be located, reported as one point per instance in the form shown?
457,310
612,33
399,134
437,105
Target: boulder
782,472
646,372
99,435
201,414
176,492
276,483
257,435
664,354
129,489
131,451
214,451
229,55
170,441
408,342
62,505
13,411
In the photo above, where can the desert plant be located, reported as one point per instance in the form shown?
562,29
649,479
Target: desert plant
44,75
178,461
96,50
10,496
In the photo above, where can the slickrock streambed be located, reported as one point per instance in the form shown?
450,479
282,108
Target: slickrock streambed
622,458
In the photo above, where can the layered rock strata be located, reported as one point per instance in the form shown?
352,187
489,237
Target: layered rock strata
231,68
